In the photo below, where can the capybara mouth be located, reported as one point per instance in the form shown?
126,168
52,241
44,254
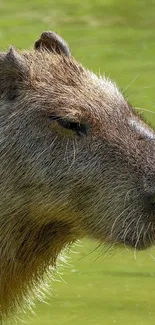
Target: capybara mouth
137,244
138,238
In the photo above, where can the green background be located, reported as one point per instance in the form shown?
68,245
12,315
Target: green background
115,37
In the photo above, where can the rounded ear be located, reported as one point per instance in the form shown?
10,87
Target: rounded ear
13,71
51,42
13,61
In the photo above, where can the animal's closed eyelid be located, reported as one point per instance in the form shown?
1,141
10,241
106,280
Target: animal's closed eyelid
78,127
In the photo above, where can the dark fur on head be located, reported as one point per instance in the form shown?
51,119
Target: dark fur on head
75,161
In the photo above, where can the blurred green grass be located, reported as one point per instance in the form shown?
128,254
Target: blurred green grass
115,37
98,287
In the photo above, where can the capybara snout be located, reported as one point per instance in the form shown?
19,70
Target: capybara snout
76,160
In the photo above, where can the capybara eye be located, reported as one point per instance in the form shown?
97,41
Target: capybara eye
77,127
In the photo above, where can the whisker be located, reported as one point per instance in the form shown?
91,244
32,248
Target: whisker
92,251
135,250
152,256
144,235
115,221
74,154
127,229
66,155
145,110
135,78
106,252
50,146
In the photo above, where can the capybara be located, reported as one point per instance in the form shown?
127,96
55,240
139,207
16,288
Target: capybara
75,160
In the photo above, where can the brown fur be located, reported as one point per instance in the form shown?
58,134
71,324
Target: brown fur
76,160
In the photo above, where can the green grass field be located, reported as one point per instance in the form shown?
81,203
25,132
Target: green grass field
116,37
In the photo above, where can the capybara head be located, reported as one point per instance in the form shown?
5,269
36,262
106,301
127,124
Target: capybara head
76,160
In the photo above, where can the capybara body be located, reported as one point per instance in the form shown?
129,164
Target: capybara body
75,160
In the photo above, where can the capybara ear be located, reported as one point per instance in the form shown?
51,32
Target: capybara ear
52,42
13,70
14,62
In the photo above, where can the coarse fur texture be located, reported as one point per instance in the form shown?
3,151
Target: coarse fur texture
75,160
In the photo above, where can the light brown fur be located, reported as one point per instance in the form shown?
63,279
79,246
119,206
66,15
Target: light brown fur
76,160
